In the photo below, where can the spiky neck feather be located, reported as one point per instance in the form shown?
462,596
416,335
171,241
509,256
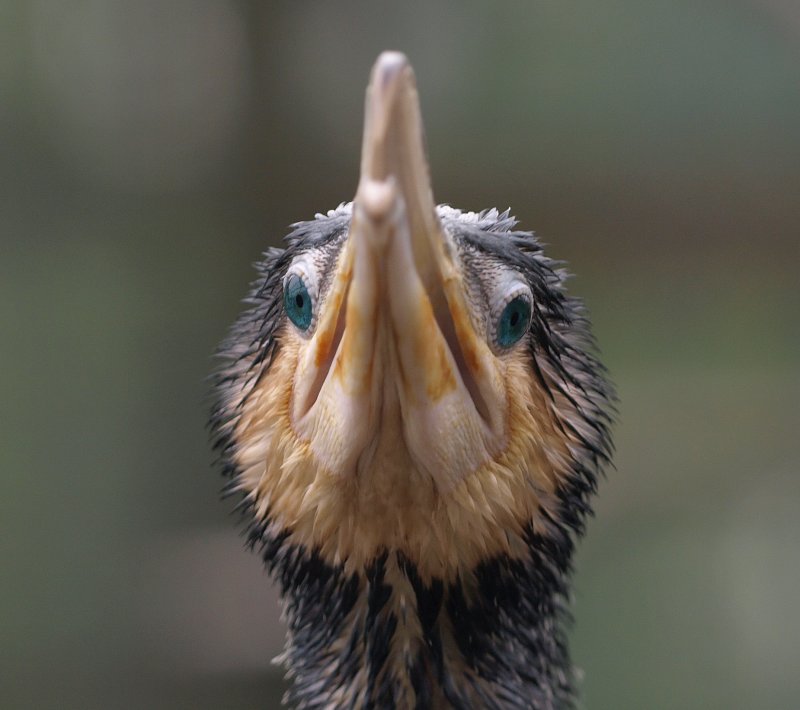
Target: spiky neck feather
384,638
380,624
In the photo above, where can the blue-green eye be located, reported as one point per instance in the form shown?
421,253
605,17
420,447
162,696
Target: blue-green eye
514,321
297,302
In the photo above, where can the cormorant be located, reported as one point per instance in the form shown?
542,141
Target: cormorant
413,414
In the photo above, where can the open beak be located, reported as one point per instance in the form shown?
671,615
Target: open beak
395,343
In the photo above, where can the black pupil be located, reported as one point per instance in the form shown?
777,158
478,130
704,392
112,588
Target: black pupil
514,318
298,299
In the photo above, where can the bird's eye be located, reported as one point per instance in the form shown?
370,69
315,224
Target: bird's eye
514,321
297,302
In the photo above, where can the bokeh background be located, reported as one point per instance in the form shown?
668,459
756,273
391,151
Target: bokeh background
151,150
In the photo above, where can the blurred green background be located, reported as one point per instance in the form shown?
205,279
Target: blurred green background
151,150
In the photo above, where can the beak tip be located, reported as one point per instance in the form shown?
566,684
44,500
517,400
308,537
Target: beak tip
387,66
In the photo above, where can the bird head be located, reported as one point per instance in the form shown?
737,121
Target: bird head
410,377
413,415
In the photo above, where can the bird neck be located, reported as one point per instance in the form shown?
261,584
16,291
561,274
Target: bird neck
383,637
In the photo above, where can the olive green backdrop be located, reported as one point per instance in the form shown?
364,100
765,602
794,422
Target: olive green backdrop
149,151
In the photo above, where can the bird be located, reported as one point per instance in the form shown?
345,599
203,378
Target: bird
413,416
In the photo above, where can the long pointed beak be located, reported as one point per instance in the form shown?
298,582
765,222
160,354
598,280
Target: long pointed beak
406,336
393,156
396,238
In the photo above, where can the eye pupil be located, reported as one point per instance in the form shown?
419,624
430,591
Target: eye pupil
514,321
297,302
